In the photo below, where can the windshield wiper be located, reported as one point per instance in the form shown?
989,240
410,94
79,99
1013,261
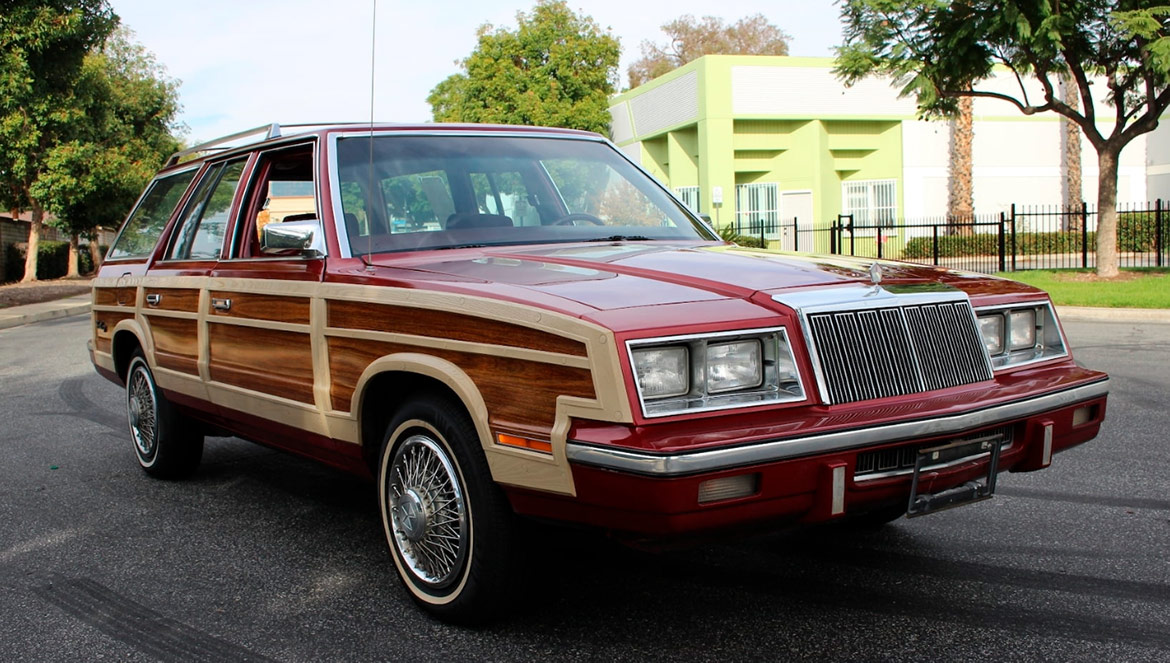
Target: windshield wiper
620,238
462,246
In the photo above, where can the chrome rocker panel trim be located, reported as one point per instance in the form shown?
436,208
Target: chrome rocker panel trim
713,460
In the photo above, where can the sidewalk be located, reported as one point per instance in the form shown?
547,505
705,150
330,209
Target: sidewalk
15,316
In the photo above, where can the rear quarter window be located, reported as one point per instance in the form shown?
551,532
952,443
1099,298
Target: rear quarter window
141,231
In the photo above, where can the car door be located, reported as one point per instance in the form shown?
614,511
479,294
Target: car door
263,359
172,293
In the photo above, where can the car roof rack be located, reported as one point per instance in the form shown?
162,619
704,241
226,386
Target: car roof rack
264,131
269,131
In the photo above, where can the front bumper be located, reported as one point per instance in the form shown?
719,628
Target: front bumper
807,478
715,460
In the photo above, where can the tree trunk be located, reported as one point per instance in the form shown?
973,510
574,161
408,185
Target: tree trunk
1107,212
960,187
34,238
1070,150
72,271
95,253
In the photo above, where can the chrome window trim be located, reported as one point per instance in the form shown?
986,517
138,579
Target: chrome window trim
1045,304
757,332
865,297
660,465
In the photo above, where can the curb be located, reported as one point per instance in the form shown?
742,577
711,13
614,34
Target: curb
41,316
1084,313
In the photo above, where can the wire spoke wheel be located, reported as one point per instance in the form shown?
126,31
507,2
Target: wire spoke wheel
168,444
142,411
428,511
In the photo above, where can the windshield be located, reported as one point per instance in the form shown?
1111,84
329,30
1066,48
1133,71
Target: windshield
434,192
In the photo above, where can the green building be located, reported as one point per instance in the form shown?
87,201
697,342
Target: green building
741,139
749,138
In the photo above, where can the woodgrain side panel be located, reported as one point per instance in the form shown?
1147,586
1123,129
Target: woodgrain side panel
517,392
272,362
123,296
176,344
272,308
173,299
105,339
445,324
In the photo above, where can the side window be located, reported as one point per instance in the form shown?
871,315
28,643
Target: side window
201,232
283,190
146,224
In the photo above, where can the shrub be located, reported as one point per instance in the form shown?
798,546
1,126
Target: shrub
1136,231
728,234
52,260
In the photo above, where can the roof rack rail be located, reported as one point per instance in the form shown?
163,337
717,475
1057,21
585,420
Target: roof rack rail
269,130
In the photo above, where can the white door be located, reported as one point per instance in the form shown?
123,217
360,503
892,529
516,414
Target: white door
796,205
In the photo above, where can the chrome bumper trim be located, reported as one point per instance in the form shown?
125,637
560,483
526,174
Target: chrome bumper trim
712,460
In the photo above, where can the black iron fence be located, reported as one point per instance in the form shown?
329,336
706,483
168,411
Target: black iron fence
1023,237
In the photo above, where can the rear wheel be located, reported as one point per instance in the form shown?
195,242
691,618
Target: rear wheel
166,443
449,527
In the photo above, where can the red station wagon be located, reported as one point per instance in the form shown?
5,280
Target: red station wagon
503,321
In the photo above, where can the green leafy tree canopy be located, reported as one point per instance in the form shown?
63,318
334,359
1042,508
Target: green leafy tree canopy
42,47
555,69
691,39
121,130
939,51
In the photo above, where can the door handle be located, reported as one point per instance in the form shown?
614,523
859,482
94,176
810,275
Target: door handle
221,304
154,299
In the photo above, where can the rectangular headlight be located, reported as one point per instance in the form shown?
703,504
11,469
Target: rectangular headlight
1019,334
714,371
1022,327
991,328
734,365
662,371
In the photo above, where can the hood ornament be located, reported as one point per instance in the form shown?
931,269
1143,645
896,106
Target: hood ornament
875,273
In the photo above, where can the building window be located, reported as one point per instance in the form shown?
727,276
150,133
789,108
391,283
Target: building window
689,195
757,204
871,203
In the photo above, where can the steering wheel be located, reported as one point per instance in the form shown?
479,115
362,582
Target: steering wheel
568,219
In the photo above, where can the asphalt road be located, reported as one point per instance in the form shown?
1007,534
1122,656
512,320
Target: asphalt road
263,556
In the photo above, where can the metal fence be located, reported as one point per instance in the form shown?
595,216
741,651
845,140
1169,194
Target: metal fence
1023,237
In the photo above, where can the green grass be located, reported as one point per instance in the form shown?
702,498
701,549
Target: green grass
1135,288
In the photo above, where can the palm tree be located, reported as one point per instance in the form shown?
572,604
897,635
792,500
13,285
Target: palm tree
1070,162
960,187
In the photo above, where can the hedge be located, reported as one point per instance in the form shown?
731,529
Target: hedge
1135,233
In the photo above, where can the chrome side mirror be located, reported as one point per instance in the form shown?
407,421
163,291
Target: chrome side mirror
303,236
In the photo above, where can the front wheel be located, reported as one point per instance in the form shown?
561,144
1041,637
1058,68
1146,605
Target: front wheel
449,527
166,443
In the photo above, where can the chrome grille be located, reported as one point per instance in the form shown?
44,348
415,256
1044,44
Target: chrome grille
894,351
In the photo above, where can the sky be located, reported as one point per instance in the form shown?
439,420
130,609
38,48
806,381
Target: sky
245,63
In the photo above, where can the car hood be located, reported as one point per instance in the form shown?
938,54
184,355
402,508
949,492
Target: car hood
635,274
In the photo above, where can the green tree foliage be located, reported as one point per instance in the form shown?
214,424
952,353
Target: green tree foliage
691,39
43,44
121,122
555,69
1116,51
